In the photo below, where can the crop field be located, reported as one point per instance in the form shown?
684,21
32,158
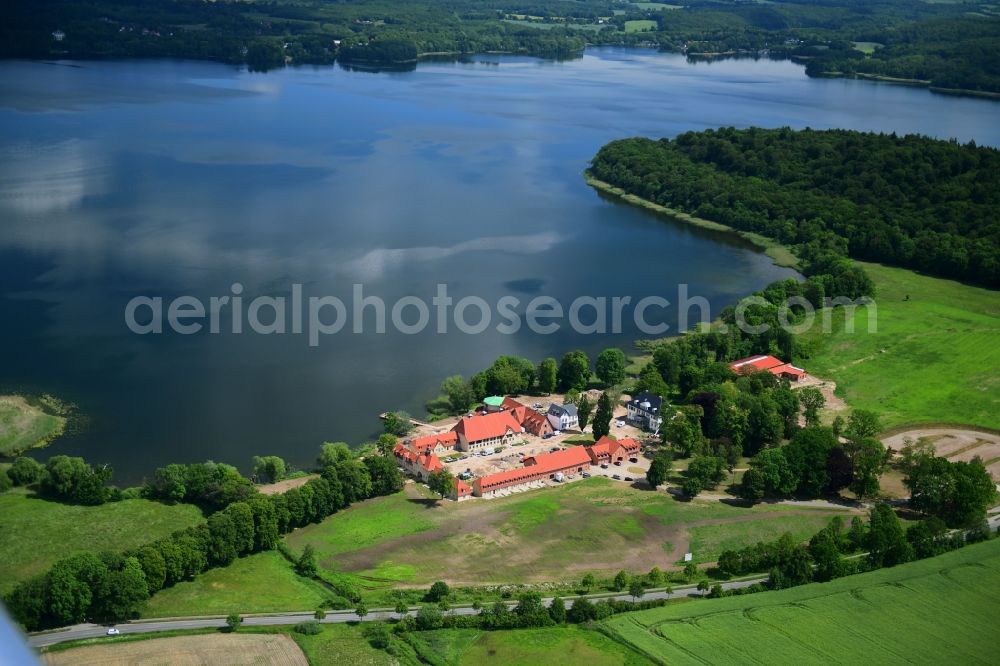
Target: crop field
34,532
257,583
641,25
940,610
557,534
24,426
570,645
933,359
217,649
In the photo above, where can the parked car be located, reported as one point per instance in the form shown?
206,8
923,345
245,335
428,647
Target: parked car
628,478
585,475
604,465
554,448
546,435
620,424
618,462
615,476
557,432
633,460
113,631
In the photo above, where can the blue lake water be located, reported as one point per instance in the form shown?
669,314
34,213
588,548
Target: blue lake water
166,179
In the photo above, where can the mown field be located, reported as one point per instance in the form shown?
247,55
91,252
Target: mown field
936,611
934,357
34,532
258,583
23,425
559,534
217,649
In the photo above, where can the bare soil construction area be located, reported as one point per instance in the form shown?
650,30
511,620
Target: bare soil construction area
955,444
199,650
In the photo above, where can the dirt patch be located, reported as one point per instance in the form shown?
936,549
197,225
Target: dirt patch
198,650
955,444
286,485
834,404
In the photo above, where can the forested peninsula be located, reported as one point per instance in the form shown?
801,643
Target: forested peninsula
909,201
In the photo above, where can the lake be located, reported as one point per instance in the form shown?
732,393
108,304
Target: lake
179,179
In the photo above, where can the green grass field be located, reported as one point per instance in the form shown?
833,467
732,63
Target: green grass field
934,357
570,645
34,532
935,611
655,6
340,644
557,534
254,584
24,426
641,25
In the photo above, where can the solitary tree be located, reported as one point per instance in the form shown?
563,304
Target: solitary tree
306,564
610,367
583,409
636,589
690,569
234,621
574,371
397,423
602,418
439,590
268,468
659,469
441,482
621,580
402,608
547,372
320,614
703,585
361,609
812,400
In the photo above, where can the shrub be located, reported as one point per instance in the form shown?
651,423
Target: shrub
310,628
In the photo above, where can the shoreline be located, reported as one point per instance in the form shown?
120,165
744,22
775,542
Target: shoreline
778,253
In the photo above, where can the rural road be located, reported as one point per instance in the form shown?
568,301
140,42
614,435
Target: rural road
79,631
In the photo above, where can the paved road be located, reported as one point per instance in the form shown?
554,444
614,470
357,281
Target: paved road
79,631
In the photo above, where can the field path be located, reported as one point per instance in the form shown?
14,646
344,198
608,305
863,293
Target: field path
288,484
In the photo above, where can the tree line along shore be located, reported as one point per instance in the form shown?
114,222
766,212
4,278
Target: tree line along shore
943,45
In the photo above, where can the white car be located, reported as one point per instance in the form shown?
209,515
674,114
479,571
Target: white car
620,424
113,631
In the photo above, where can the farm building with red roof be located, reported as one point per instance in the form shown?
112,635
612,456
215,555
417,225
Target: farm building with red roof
486,431
608,450
763,363
439,444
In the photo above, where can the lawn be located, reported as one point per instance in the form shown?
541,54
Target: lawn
556,534
933,358
570,645
641,25
34,532
867,48
940,610
24,425
257,583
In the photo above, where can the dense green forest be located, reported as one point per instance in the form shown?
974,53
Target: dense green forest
910,201
949,44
